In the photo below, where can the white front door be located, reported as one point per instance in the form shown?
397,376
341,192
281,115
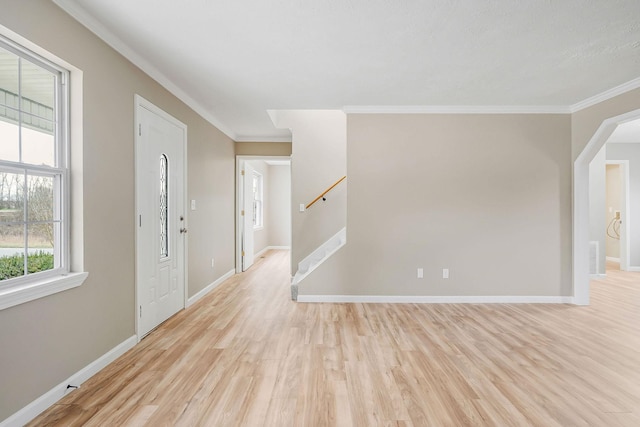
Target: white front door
160,220
247,216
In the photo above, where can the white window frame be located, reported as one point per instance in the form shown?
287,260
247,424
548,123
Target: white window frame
258,201
37,285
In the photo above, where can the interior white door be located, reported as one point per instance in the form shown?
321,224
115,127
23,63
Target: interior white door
161,224
247,217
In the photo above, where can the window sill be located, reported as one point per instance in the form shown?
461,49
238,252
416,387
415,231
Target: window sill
20,294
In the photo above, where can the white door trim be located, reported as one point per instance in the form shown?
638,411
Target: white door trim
140,102
239,160
581,204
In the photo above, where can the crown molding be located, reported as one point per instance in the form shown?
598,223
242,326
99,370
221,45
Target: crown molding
606,95
456,109
93,25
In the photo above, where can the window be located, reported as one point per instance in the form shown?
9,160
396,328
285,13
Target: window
34,201
257,200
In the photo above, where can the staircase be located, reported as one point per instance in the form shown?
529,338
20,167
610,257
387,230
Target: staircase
317,257
318,157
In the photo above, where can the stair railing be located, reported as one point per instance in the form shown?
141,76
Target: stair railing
321,196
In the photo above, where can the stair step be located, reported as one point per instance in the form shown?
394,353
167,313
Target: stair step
317,257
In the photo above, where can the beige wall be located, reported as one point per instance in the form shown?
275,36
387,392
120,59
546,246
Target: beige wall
263,148
45,341
487,196
318,160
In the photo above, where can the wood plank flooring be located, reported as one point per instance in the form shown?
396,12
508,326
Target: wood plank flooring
245,355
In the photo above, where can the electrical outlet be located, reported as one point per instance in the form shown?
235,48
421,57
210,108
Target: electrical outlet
617,214
213,262
193,205
420,273
302,207
445,273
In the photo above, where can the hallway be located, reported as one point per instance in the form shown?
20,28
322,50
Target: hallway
247,355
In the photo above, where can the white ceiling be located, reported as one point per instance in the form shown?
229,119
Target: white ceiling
233,60
626,132
278,162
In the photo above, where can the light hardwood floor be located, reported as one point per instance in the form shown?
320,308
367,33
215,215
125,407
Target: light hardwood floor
245,355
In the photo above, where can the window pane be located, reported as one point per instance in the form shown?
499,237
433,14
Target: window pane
37,91
11,250
9,140
11,196
8,78
37,106
38,146
8,98
40,206
40,256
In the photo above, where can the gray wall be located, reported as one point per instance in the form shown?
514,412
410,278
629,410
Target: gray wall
631,152
613,205
45,341
597,192
487,196
279,196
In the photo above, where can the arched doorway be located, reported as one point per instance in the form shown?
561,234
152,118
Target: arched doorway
581,204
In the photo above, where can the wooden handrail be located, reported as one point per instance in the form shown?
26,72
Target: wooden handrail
326,191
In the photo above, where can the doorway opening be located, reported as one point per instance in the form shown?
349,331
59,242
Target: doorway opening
263,207
582,246
617,217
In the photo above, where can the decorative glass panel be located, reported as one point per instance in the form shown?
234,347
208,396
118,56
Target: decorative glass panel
164,206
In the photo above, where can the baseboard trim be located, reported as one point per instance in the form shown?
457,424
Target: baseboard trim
35,408
490,299
268,248
631,268
597,276
209,288
610,258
